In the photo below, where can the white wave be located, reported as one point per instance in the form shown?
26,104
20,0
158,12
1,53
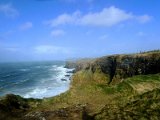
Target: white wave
54,66
70,69
46,92
23,70
35,93
62,72
52,86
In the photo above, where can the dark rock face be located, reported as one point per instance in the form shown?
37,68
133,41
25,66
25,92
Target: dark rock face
119,67
67,75
70,64
129,66
141,65
107,65
79,64
71,71
63,79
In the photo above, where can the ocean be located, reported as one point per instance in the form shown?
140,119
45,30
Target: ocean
34,79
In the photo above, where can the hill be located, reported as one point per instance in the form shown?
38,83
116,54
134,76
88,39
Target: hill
110,87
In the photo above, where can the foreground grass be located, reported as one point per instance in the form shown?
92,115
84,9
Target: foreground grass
86,89
91,98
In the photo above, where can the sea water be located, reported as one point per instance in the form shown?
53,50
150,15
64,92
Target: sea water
34,79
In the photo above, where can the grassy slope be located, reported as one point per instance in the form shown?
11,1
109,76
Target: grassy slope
95,95
90,96
136,97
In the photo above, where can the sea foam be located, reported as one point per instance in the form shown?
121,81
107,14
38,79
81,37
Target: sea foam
56,85
35,80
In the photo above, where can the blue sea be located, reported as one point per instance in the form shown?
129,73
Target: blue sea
34,79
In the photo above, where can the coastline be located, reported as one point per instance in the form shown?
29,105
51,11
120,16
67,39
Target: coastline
34,80
95,94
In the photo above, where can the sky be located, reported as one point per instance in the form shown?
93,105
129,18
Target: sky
33,30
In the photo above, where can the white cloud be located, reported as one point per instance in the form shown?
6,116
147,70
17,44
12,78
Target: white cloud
107,17
26,26
56,33
49,49
144,18
64,19
8,10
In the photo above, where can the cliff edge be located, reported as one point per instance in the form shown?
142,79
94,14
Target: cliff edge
123,87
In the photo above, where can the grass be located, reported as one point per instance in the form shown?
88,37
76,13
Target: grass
132,97
86,90
136,97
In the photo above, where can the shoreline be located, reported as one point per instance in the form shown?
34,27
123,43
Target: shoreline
58,76
109,87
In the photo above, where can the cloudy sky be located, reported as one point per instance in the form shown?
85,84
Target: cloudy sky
62,29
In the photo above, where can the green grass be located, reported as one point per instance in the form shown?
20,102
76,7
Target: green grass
85,89
134,85
135,94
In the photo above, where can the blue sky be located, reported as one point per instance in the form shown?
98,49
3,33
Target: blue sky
63,29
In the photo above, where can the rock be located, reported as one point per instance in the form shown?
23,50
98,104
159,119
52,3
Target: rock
67,75
118,67
70,64
123,66
64,79
71,71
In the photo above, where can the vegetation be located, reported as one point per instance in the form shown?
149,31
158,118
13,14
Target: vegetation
113,87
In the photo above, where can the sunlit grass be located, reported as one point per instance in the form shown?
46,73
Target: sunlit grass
85,90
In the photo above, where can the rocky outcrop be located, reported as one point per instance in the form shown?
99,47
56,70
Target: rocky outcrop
122,66
79,64
118,67
14,106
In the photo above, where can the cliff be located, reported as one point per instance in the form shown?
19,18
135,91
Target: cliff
110,87
119,67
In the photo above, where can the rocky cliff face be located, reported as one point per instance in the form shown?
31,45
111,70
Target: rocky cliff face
118,67
80,64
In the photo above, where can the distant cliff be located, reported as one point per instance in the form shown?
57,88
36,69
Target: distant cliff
118,67
79,64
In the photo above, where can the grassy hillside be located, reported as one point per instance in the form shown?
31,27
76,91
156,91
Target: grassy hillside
111,87
135,97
